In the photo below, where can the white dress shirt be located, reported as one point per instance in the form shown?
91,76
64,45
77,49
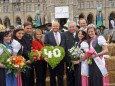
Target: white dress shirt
74,34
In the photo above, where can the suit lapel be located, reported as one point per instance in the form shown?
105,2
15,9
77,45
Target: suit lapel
76,37
60,38
53,38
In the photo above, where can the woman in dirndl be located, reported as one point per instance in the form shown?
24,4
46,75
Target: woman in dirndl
81,66
98,74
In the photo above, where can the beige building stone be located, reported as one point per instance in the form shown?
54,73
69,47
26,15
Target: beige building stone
14,12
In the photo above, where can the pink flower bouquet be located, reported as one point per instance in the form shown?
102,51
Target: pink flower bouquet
88,55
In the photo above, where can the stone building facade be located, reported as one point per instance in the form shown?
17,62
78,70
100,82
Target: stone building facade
14,12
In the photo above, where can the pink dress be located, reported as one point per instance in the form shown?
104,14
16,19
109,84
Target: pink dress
19,79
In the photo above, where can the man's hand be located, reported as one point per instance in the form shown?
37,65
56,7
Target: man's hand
28,62
2,66
46,59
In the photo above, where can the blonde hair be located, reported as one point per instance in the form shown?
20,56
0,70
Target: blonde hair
37,30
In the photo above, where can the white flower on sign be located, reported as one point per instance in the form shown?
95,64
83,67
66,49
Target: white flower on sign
45,51
56,52
49,54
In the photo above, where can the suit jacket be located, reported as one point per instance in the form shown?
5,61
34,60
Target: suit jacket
68,42
37,45
26,42
50,39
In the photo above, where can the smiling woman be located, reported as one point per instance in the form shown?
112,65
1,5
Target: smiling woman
97,70
18,33
40,65
38,34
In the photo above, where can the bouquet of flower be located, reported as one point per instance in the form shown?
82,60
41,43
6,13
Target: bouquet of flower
34,55
88,55
76,53
15,64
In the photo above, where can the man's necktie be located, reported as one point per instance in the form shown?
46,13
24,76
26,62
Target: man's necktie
56,38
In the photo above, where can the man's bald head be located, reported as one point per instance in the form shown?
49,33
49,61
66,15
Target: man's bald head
55,26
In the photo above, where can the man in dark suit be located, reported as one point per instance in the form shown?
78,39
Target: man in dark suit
53,38
28,76
69,39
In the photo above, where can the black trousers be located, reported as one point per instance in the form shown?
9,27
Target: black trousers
40,70
77,70
28,76
70,75
59,72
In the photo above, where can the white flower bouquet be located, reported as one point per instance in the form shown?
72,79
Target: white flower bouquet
76,53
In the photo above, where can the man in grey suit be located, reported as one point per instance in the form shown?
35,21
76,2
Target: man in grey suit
69,39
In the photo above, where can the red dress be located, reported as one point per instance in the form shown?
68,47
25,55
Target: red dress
40,65
37,45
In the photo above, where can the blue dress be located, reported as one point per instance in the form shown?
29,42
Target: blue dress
11,79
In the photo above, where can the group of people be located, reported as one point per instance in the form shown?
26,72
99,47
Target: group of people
20,42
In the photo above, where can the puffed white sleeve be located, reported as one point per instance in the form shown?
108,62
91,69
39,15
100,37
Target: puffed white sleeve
102,41
84,45
16,45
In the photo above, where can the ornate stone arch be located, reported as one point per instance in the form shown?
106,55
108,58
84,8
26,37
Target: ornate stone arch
29,18
6,22
81,15
18,20
111,17
90,18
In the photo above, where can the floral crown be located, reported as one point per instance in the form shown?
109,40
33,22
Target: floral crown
19,27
